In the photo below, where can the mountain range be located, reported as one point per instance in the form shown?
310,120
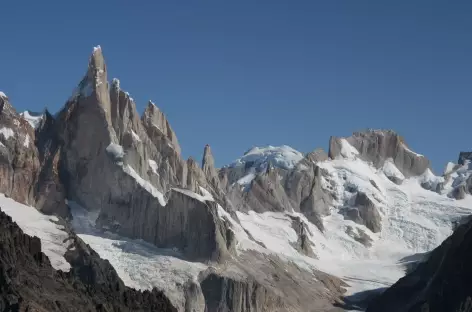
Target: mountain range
100,212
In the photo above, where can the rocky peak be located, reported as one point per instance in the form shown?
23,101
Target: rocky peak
94,86
315,156
208,166
155,121
377,146
5,106
124,115
195,175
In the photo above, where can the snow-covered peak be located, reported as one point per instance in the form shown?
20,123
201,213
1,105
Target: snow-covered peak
3,95
34,119
97,48
279,156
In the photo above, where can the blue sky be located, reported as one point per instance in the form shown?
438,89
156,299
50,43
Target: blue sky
235,74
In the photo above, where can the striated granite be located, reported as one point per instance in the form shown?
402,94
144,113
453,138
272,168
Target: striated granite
19,163
377,146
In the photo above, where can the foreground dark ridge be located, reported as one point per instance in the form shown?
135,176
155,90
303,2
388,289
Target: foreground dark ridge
442,283
29,283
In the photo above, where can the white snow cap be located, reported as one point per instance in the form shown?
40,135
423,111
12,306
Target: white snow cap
280,156
3,95
34,119
97,48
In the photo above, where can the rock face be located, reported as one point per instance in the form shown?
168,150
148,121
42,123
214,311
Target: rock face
50,192
377,146
208,166
187,223
303,244
280,189
441,283
154,118
19,163
101,154
365,212
268,284
29,283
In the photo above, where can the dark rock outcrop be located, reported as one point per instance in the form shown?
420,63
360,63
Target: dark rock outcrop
459,191
303,244
319,199
359,235
442,283
365,212
29,283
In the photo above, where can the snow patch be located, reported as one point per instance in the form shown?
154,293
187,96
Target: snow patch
26,142
7,132
390,170
274,230
429,181
34,223
33,119
409,150
243,242
153,165
116,151
135,136
449,168
145,184
206,194
247,179
189,193
347,150
3,95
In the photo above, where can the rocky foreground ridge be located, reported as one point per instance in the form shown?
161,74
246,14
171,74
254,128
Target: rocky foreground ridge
440,283
29,283
127,171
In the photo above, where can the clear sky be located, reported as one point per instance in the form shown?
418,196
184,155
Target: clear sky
235,74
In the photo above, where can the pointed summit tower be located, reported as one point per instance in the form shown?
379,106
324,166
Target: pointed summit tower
208,166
